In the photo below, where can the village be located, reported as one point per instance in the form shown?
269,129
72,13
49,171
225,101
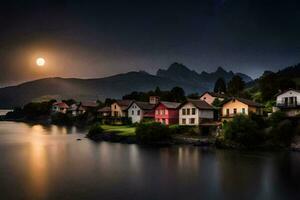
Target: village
201,115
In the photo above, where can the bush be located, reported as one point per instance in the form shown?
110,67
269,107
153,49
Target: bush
260,121
152,132
95,130
276,118
242,130
283,133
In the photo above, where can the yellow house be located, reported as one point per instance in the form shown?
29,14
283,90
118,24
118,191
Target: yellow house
120,107
235,106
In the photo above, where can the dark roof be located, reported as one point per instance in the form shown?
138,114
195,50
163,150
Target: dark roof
144,105
105,109
281,92
124,104
200,104
171,105
214,94
245,101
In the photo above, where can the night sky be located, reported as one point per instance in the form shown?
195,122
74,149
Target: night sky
99,38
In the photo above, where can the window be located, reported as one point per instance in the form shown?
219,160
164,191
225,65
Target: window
188,111
115,106
138,112
192,120
183,121
193,111
234,111
183,112
227,111
243,110
132,112
161,112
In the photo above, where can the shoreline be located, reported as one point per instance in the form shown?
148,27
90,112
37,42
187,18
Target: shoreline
175,139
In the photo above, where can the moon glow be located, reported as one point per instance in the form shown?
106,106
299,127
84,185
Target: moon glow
40,62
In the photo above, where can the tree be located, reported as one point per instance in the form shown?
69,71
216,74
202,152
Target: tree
220,86
177,94
235,86
268,86
243,130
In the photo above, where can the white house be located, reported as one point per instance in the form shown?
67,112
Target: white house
139,110
289,102
76,109
193,112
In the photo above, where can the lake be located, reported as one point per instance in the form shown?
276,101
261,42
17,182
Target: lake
48,162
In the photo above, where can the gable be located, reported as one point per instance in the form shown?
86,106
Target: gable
289,93
188,105
234,104
206,96
134,106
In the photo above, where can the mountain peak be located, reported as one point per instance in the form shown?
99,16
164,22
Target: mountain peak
177,67
220,70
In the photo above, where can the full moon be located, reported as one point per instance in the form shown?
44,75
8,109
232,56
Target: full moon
40,62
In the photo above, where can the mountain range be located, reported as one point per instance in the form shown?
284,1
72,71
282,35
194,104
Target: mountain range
113,86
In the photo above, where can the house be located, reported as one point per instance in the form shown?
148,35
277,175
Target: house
193,112
120,108
59,107
139,110
89,105
289,102
234,106
105,111
210,97
76,109
167,112
154,100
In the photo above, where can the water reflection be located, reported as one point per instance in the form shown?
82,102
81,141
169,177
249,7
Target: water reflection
47,162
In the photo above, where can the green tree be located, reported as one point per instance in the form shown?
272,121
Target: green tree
220,86
235,86
268,86
177,94
243,130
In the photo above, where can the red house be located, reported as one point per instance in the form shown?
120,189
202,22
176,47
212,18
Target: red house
167,112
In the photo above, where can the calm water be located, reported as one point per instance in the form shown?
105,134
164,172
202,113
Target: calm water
49,163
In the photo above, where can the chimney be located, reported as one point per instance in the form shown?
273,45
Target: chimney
153,100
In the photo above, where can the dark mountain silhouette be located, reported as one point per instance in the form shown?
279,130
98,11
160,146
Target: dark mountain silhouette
113,87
